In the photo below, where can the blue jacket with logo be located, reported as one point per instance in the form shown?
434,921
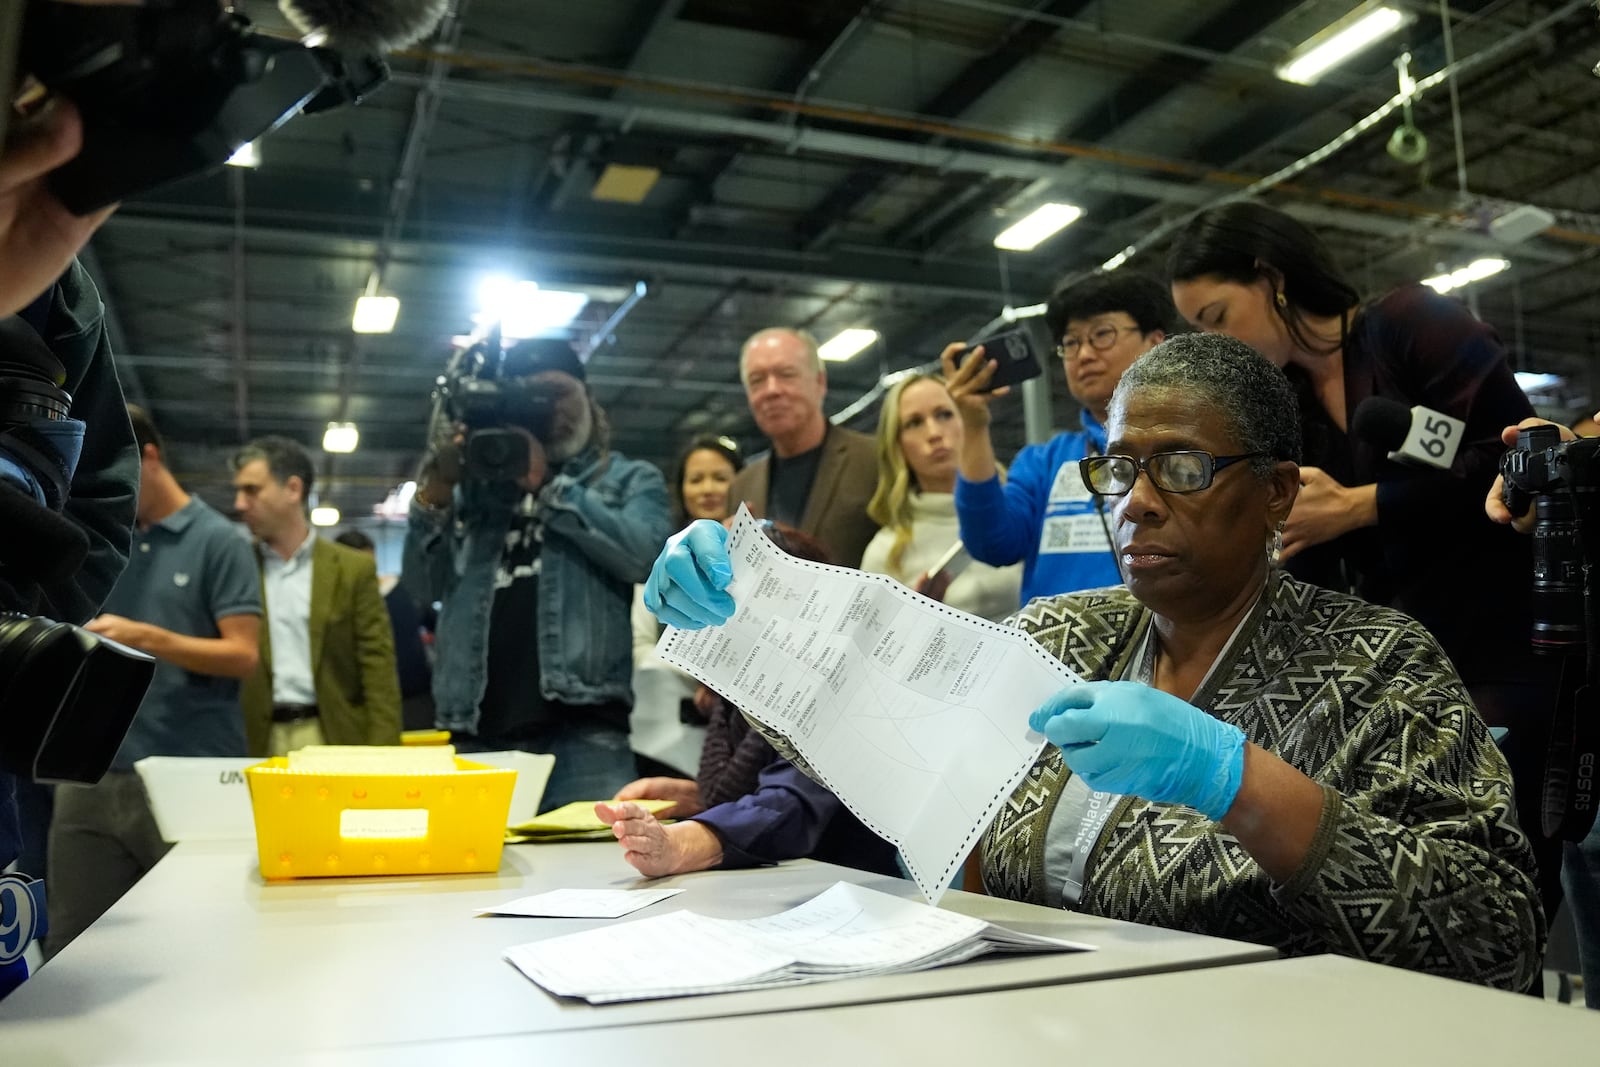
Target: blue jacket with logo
1044,516
606,518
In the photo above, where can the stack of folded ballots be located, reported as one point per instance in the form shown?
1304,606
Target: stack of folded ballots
571,822
844,932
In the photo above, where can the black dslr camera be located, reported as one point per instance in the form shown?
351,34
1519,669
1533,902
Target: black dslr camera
485,390
1562,480
171,88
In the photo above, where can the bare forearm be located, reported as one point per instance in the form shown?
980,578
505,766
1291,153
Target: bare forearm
1275,814
224,657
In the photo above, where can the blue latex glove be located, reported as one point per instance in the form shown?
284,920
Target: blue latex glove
687,585
1124,737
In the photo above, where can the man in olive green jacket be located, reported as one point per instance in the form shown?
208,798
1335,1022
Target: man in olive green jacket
327,673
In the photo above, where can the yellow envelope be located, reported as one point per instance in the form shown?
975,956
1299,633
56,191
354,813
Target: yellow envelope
575,818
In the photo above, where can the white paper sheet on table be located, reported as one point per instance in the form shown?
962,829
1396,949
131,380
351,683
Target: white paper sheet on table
913,713
844,932
582,903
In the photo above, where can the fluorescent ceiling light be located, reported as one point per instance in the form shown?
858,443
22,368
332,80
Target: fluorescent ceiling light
846,344
1118,260
324,516
1031,311
1362,27
340,437
375,314
246,155
1039,226
524,310
1536,382
1476,271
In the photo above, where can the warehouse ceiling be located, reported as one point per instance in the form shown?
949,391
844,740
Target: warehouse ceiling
827,165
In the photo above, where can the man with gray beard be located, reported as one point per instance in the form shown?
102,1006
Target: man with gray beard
535,578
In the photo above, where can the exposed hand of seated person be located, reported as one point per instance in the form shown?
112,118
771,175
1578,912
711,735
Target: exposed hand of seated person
656,851
683,792
688,584
1124,737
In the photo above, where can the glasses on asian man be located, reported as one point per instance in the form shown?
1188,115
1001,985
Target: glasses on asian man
1188,471
1101,338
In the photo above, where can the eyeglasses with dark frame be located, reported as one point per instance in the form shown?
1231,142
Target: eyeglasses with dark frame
1101,339
1185,471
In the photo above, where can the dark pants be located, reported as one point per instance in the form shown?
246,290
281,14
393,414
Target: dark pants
593,761
103,839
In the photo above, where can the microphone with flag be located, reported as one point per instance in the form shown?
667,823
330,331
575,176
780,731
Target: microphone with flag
1416,436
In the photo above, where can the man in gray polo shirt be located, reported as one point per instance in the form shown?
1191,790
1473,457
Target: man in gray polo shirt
191,598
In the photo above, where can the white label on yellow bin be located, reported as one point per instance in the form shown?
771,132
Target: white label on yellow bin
383,822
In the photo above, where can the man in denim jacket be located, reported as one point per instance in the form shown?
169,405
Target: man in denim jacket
536,579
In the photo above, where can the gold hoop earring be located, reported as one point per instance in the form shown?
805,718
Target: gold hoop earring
1283,301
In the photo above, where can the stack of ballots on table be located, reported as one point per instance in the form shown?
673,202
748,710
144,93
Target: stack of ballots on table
571,822
844,932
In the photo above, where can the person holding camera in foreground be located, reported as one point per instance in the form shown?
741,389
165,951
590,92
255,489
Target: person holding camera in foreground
1580,865
535,567
1250,756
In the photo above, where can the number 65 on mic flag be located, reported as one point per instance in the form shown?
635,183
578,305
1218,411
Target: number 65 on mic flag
1419,436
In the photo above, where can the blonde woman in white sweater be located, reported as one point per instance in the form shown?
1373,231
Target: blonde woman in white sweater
919,442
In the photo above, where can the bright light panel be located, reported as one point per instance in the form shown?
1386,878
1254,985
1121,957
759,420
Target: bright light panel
1339,42
1118,260
524,310
1476,271
324,516
340,437
846,344
375,314
246,155
1536,382
1043,223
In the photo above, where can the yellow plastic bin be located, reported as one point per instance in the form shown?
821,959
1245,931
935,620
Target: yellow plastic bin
318,825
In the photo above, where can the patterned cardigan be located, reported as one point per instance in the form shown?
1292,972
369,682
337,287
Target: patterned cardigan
1418,861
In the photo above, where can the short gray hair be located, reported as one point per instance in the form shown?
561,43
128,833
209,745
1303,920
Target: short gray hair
805,337
1254,396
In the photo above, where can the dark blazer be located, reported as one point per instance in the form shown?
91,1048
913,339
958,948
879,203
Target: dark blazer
352,656
836,509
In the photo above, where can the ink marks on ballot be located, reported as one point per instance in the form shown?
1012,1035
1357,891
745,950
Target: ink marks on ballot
1072,522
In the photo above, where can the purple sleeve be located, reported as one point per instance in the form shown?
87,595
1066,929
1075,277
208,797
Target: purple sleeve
784,818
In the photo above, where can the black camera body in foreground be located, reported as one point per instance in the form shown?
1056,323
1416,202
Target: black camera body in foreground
1562,481
494,408
67,698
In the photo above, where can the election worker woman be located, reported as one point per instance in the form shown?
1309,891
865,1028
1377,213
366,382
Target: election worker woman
919,444
1251,757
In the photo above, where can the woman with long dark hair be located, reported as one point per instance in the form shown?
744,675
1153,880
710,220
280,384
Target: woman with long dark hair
1410,538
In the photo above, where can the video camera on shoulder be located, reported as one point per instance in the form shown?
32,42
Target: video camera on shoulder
487,391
